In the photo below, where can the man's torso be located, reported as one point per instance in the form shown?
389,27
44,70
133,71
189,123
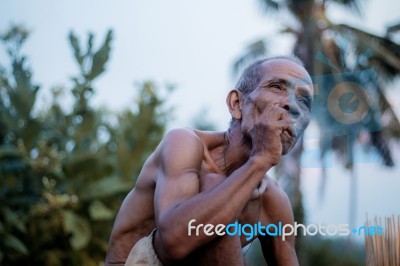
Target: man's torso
141,217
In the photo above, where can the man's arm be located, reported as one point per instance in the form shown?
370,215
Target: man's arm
224,250
277,208
178,199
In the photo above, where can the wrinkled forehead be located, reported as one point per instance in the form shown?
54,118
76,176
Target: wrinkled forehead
286,70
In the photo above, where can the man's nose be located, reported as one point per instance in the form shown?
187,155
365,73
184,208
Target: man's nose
292,108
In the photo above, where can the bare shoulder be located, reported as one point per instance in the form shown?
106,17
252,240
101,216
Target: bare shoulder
181,139
180,155
181,148
184,134
276,209
275,202
273,189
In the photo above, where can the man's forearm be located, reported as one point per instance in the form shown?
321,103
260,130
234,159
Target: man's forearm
220,205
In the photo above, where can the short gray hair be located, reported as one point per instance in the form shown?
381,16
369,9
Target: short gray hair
251,76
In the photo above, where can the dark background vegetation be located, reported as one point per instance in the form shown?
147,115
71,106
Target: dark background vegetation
64,173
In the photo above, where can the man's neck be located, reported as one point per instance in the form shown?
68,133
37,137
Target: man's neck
238,148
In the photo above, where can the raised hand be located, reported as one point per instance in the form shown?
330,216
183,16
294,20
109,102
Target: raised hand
271,133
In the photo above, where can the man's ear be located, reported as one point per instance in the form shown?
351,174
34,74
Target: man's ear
234,102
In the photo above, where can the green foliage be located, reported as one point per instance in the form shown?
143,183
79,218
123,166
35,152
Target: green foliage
64,174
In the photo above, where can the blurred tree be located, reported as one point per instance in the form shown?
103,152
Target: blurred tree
345,63
63,174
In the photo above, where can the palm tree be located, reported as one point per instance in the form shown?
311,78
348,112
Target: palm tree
355,97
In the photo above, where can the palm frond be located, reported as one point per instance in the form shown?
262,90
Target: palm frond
393,29
252,52
384,53
390,121
381,144
291,30
270,5
353,5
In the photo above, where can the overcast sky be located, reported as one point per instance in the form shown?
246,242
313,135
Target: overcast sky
192,44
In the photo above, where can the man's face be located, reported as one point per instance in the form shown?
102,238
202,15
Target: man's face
287,85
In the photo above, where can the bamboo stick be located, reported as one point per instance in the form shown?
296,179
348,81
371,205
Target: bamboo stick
383,250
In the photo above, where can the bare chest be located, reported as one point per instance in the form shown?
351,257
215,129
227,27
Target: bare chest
248,221
211,176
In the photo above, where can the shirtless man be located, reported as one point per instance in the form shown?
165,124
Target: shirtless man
219,178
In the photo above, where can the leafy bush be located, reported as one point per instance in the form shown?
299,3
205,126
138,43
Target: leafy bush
64,174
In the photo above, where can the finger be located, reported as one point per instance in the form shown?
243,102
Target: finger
274,113
286,134
285,126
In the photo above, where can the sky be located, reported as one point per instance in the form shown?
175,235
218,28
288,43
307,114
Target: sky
190,44
193,45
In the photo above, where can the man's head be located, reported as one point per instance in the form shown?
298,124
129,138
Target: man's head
281,81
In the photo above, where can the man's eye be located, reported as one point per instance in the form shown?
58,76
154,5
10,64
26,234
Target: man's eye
277,86
306,102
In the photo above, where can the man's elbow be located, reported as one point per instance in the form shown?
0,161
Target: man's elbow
114,259
171,244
